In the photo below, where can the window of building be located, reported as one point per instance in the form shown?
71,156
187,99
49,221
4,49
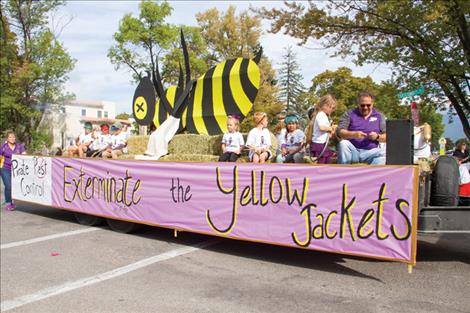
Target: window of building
83,112
99,113
105,113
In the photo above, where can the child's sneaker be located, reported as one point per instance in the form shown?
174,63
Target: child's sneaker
10,206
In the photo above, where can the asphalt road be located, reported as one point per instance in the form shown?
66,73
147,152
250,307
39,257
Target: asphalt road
49,263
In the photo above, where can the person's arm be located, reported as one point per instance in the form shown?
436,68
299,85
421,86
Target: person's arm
382,136
241,142
343,132
377,137
250,141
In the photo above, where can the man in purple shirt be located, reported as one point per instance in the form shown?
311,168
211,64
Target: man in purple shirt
361,130
7,149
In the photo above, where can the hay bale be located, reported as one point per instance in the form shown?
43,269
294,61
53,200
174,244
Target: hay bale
187,147
189,144
215,144
190,158
137,144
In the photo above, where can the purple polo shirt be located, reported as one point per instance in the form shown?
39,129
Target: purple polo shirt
353,120
6,152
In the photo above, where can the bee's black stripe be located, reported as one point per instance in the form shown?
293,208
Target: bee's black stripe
247,86
162,112
230,105
208,105
189,114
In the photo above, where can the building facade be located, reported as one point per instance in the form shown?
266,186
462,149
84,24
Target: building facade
66,121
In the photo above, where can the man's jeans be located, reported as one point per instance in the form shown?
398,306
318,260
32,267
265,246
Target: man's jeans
6,177
348,154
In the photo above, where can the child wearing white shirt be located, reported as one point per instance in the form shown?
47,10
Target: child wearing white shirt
232,142
323,129
118,142
259,139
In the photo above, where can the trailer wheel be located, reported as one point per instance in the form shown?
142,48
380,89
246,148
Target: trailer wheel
122,226
88,220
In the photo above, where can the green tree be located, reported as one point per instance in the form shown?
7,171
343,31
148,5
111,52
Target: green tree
34,66
140,40
426,42
290,81
449,144
143,40
123,116
230,36
197,51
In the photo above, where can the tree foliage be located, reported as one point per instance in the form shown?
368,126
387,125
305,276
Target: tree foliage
426,42
34,65
229,36
140,40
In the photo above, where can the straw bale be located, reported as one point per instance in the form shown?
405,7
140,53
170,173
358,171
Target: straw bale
137,144
189,144
187,147
215,144
190,157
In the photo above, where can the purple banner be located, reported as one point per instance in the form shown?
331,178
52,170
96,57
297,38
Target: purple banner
360,210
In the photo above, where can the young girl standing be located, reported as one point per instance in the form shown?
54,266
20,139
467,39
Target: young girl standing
292,144
323,129
232,142
259,139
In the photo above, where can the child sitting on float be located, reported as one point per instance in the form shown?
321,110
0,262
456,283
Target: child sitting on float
259,139
292,143
118,142
232,141
82,142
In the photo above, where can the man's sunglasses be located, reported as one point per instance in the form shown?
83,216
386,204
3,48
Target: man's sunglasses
365,105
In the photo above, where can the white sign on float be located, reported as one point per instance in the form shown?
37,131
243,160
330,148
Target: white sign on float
31,179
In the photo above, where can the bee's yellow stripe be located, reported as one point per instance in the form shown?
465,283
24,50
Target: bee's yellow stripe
217,97
170,96
253,73
236,88
197,109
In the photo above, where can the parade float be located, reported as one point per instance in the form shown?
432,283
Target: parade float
361,210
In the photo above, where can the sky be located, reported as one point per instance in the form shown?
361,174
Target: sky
87,34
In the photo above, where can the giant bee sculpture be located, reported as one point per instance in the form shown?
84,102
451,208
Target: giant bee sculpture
202,105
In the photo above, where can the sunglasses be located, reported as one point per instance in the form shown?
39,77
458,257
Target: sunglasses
365,105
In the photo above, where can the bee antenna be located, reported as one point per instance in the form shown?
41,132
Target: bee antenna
257,58
186,58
